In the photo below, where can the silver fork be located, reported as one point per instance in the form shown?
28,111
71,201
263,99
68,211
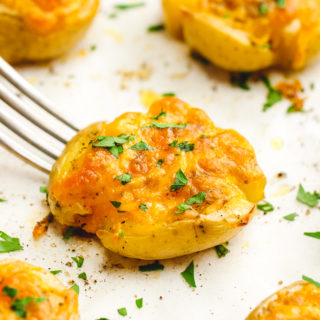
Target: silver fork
28,125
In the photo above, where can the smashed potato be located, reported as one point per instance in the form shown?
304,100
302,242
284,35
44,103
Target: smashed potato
29,292
157,185
300,300
242,35
32,30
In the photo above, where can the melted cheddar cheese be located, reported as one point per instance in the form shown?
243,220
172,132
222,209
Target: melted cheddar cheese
301,300
58,302
84,183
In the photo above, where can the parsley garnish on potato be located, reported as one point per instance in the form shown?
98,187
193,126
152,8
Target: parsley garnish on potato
198,198
124,178
180,181
221,250
151,267
305,278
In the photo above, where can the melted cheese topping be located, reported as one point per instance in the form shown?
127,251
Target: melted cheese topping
222,164
34,282
45,16
296,302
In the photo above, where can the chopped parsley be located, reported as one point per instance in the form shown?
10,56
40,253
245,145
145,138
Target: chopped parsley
83,276
305,278
9,244
151,267
160,162
143,207
116,204
169,94
265,207
141,146
43,190
113,144
122,312
156,27
273,95
54,272
312,85
305,197
315,235
183,146
75,287
2,200
167,125
10,292
103,319
139,303
69,233
124,178
239,79
93,47
121,211
281,3
18,306
290,217
198,198
126,6
180,181
221,250
78,260
160,115
204,136
263,9
188,275
121,234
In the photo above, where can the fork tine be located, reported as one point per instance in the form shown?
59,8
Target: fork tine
30,133
19,82
61,133
16,145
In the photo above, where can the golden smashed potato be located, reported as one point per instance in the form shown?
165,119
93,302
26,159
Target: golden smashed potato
32,293
157,185
242,35
299,301
32,30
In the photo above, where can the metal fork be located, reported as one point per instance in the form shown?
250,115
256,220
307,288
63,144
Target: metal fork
29,126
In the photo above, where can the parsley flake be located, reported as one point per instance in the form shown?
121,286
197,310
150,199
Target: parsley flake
281,3
141,146
151,267
10,292
143,207
75,287
18,306
221,250
273,95
78,260
188,275
139,303
183,146
156,27
239,79
160,162
315,235
180,181
305,197
69,233
305,278
290,217
126,6
54,272
116,204
167,125
124,178
121,234
123,312
9,244
83,276
265,207
263,9
160,115
43,190
2,200
169,94
198,198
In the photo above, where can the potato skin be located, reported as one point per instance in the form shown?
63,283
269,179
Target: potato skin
237,37
60,302
34,30
222,164
300,300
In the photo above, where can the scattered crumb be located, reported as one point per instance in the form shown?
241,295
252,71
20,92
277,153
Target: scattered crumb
308,212
42,226
244,245
179,75
280,282
281,175
32,80
283,190
142,73
115,35
276,143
